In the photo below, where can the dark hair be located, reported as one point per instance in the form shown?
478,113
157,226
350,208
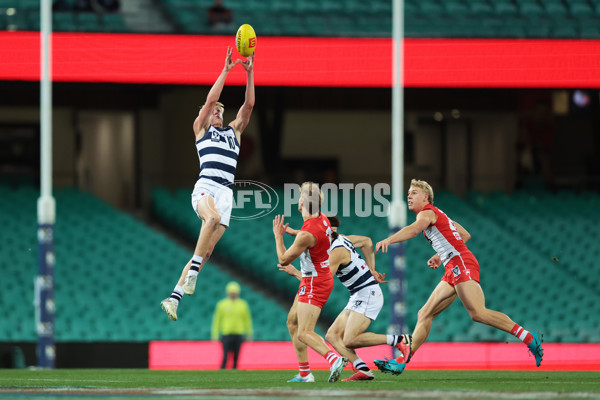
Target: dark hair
335,223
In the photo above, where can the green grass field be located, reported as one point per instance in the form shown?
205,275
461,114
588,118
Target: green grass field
145,384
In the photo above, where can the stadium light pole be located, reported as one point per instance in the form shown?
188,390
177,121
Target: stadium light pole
46,207
397,218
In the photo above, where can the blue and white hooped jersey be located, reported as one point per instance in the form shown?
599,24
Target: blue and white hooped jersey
356,274
218,152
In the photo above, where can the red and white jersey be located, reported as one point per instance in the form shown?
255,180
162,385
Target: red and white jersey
314,261
445,238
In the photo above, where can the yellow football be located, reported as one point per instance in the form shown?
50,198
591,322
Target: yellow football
245,40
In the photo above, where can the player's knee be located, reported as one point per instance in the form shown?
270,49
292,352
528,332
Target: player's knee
332,336
424,313
302,336
477,316
291,325
350,343
212,221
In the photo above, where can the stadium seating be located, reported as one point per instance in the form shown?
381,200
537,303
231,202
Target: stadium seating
515,238
535,248
249,243
349,18
111,273
25,16
560,238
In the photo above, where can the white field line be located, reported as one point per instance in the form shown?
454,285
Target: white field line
62,380
292,393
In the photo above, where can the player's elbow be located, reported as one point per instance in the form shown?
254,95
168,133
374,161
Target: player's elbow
196,125
248,106
285,259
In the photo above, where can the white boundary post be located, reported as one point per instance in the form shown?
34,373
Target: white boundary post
44,282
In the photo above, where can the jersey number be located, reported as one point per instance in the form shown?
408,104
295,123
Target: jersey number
454,230
231,142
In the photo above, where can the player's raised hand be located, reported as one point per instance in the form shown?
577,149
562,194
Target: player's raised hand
383,245
228,63
434,262
278,227
379,277
249,63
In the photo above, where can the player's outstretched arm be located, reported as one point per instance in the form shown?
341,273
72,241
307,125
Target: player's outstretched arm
243,116
366,245
424,219
214,94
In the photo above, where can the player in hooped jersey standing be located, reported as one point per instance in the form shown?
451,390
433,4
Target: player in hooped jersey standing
461,278
218,148
312,246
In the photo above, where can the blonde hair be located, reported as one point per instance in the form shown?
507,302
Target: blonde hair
218,104
425,187
311,196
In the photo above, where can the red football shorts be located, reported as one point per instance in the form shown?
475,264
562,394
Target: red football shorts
461,269
315,290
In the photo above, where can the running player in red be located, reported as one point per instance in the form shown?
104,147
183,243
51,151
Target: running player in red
461,278
312,246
